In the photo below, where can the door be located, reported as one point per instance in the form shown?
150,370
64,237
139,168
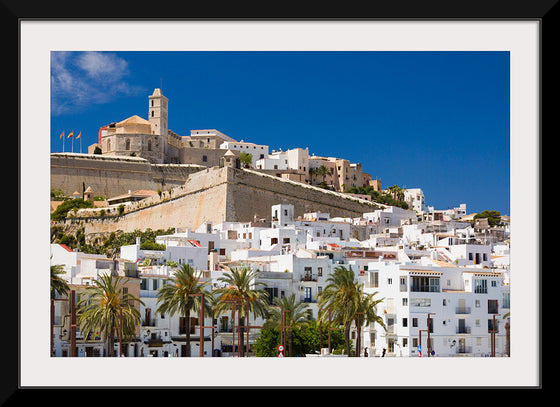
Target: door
307,294
461,308
461,348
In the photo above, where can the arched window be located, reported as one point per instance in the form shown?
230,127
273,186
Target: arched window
127,144
149,144
109,144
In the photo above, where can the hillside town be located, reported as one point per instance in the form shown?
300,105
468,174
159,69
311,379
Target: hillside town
424,282
443,284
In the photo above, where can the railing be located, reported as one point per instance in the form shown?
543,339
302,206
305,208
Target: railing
463,310
149,322
463,330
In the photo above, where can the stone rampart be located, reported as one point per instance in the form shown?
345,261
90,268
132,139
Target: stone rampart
253,193
110,176
217,195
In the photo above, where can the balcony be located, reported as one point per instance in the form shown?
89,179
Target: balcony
309,277
462,310
464,349
149,322
463,330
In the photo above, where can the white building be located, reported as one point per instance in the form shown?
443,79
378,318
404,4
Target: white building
414,197
295,159
257,151
391,216
461,305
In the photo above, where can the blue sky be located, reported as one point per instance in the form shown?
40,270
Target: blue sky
432,120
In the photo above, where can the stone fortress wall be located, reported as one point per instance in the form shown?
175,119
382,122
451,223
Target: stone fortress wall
217,195
114,175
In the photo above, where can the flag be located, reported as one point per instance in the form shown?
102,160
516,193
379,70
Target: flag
62,134
78,136
71,134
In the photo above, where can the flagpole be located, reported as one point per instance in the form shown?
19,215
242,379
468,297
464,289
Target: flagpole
72,143
62,140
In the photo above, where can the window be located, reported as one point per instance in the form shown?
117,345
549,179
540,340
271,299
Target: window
127,144
480,286
425,284
415,322
421,302
204,158
505,300
154,284
405,302
492,306
374,279
405,322
320,271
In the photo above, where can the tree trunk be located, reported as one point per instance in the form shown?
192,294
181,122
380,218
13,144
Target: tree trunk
110,345
187,332
347,338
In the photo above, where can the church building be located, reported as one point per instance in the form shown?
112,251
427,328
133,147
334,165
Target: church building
151,139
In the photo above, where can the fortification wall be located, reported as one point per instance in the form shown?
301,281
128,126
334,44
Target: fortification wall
114,175
217,195
202,198
253,193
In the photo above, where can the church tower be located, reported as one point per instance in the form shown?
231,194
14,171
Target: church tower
157,116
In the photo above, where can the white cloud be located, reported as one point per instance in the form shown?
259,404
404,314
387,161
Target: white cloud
79,79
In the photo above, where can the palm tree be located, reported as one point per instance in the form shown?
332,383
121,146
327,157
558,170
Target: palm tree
297,314
176,296
323,171
367,308
241,289
343,297
58,284
106,307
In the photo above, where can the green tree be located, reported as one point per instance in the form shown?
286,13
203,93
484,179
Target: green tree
102,307
494,217
62,210
246,159
241,288
323,171
175,296
367,311
342,295
297,314
267,343
58,284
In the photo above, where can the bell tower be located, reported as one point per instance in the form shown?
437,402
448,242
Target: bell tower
157,116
